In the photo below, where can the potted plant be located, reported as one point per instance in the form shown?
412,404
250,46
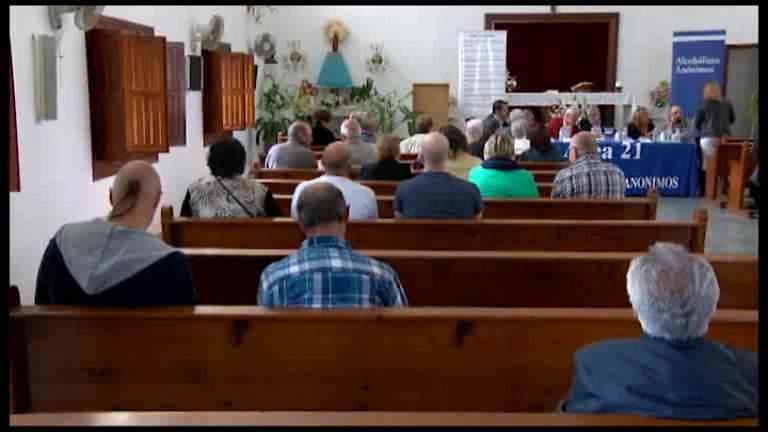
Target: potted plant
273,104
389,110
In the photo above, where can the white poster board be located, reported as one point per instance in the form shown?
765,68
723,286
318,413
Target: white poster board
482,70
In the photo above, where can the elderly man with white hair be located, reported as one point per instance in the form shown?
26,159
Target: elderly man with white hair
368,126
295,153
670,371
361,153
566,126
435,193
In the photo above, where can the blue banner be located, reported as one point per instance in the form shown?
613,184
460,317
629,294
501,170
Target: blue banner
672,168
697,57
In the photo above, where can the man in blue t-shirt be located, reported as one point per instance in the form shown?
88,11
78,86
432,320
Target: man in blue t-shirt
436,194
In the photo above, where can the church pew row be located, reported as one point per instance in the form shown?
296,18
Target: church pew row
536,208
226,358
348,418
487,234
477,279
308,174
286,187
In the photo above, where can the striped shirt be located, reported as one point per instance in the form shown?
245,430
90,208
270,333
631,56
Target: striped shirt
589,177
327,273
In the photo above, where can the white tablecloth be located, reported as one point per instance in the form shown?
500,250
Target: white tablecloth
619,100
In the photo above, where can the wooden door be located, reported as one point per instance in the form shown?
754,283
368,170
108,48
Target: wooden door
248,91
145,94
176,83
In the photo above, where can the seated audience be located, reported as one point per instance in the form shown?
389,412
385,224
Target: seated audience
412,145
595,122
226,193
360,152
633,132
678,128
477,148
459,160
564,127
322,135
519,132
474,131
326,272
116,262
499,117
642,119
295,153
670,371
588,176
388,166
337,165
368,126
517,114
541,148
500,176
436,194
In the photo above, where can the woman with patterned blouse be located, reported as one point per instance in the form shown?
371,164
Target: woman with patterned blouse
226,193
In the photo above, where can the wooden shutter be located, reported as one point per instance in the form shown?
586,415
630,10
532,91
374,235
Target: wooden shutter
213,94
13,154
145,94
176,86
234,91
248,95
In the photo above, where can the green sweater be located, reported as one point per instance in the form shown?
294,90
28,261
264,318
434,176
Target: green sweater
494,183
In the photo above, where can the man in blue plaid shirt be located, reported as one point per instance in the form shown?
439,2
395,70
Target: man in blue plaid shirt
588,176
326,272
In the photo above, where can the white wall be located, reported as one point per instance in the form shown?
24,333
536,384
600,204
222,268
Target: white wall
55,156
421,42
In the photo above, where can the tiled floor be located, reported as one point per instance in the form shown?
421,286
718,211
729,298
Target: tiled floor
726,232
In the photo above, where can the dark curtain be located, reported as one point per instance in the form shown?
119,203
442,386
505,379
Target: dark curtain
556,56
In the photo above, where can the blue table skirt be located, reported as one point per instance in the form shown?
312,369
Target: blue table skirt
672,168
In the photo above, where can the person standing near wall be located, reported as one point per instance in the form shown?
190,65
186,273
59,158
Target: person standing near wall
714,118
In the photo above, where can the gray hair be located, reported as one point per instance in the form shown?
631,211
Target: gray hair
295,129
350,129
474,130
573,109
320,203
517,114
673,293
519,129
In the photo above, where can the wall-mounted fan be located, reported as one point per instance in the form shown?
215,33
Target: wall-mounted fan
264,46
208,35
85,16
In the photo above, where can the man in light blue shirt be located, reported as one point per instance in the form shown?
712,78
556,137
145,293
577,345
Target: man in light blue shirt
337,165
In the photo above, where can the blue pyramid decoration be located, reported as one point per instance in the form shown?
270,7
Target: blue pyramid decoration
334,73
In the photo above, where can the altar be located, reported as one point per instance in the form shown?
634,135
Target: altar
619,100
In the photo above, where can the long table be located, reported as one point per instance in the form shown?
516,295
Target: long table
672,168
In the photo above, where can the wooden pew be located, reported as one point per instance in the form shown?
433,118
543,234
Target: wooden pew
347,418
477,279
718,166
286,187
250,358
487,234
738,175
537,208
308,174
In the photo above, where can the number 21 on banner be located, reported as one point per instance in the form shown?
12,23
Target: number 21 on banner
627,153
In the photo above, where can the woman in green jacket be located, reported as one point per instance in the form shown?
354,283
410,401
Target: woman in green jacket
499,176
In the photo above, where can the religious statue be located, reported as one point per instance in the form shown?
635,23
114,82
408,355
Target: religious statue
334,73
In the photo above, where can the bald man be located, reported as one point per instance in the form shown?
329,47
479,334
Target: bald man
588,176
115,261
435,193
295,153
361,153
337,164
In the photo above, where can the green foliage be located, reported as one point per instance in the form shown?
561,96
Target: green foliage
363,93
273,104
390,111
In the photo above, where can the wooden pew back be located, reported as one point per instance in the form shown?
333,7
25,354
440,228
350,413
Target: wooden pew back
249,358
536,208
392,234
348,418
308,174
288,186
477,279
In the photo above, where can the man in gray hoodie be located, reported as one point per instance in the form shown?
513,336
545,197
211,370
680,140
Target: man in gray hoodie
116,262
